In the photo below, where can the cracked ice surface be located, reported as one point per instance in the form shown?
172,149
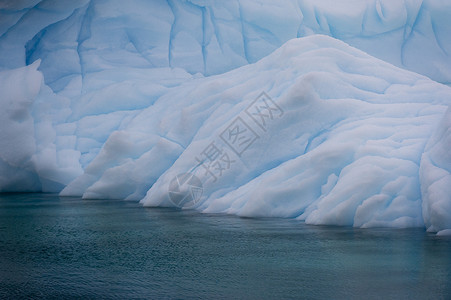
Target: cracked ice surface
76,37
111,101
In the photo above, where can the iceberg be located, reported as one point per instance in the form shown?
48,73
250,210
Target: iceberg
342,141
435,178
17,141
300,109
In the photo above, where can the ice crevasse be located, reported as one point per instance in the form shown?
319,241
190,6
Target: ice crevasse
316,130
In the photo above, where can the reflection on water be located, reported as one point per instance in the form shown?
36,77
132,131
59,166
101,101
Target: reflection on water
68,247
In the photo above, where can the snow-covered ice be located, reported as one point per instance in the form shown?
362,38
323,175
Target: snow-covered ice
345,151
301,109
18,88
435,176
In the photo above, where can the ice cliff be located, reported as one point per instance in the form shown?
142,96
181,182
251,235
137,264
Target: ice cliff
330,113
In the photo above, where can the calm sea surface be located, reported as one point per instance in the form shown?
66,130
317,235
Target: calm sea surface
53,247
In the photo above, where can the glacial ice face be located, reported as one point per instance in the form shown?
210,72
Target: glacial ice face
435,176
17,140
76,37
343,149
116,104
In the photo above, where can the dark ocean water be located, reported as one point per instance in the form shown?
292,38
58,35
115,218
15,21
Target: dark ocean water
53,247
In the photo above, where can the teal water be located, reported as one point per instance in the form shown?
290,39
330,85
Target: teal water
53,247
